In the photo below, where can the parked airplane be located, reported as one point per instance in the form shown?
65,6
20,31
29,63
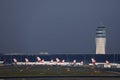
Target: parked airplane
75,63
79,63
95,63
42,62
18,63
105,64
27,62
62,63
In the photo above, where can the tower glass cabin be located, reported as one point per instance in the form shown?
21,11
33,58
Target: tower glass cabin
100,40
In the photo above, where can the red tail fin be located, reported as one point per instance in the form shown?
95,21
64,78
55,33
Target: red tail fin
51,61
26,60
57,59
107,62
63,61
93,60
74,61
38,59
15,60
81,62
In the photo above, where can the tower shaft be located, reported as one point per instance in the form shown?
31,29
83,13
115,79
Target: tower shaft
100,40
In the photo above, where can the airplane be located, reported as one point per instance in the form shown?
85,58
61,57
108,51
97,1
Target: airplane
95,63
106,64
75,63
109,65
62,63
18,63
23,63
79,63
40,61
43,62
27,62
51,63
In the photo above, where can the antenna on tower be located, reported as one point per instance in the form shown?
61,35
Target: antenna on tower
101,24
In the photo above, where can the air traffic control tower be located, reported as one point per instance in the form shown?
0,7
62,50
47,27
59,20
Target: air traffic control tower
100,40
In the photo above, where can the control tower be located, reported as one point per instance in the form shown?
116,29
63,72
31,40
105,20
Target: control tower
100,40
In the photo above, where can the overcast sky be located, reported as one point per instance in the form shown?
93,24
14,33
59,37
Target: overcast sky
57,26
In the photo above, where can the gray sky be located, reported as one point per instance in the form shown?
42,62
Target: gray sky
57,26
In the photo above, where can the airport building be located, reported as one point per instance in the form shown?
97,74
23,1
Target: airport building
100,40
